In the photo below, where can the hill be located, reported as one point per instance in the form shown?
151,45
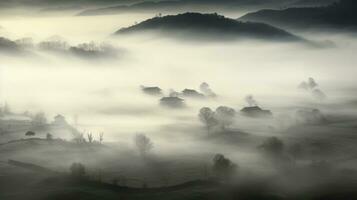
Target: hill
341,15
22,182
208,26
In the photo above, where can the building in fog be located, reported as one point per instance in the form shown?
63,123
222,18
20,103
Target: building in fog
192,93
256,111
151,90
173,102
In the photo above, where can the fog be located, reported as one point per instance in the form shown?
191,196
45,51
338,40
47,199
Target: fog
103,94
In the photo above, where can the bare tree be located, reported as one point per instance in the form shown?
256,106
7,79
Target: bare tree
49,136
143,143
90,137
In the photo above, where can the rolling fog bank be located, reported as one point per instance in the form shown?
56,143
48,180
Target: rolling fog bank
104,94
106,91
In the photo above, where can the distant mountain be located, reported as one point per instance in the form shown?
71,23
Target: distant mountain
208,26
188,5
59,5
204,5
310,3
154,5
340,15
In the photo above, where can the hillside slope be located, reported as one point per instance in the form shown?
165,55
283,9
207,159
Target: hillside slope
208,26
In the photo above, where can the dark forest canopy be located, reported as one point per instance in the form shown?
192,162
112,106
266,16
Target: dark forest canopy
211,26
340,15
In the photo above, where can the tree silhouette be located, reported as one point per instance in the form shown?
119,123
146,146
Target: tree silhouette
30,133
90,137
77,170
101,137
223,168
39,119
225,116
49,136
273,146
206,116
143,144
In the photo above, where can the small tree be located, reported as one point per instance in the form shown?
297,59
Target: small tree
143,143
30,133
206,116
225,116
90,137
6,109
49,136
77,170
101,137
223,168
39,119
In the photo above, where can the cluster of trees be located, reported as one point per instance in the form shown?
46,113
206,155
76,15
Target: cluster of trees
80,138
206,90
222,117
284,156
93,49
275,149
310,116
54,44
58,44
312,87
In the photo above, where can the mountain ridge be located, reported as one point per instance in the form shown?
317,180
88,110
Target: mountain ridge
340,15
189,5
